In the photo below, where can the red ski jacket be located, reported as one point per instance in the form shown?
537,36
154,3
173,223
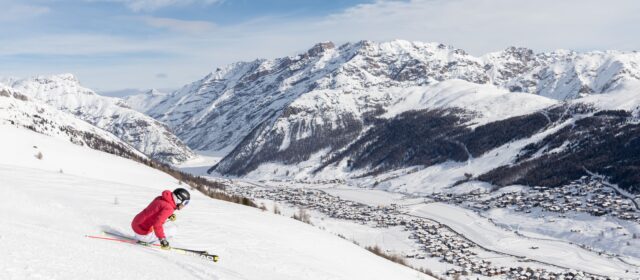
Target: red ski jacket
153,217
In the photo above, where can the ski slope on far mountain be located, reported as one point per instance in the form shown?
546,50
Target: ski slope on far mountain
53,202
111,114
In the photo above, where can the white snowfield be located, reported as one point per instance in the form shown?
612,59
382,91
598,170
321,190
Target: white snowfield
50,204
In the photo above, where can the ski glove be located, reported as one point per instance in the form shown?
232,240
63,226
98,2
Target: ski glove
172,217
164,244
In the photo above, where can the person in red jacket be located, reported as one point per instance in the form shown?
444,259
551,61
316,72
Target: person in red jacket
151,220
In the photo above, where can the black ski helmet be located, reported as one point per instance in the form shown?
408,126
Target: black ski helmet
182,194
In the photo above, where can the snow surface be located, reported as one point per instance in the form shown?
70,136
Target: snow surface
52,203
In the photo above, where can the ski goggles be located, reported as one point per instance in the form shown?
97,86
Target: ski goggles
184,202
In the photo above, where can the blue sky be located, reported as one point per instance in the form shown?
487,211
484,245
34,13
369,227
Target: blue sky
116,44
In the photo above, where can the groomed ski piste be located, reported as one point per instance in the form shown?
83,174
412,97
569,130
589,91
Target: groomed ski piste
50,204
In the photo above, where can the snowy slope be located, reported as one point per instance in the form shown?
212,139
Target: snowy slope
626,98
486,102
111,114
73,191
217,112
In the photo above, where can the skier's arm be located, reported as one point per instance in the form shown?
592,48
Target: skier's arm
158,226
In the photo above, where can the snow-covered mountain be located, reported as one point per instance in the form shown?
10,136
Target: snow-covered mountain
340,107
562,74
218,102
19,110
146,100
64,92
54,202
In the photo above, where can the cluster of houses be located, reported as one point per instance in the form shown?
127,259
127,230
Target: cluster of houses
433,239
332,206
527,273
580,196
441,243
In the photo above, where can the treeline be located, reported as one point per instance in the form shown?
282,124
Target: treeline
429,137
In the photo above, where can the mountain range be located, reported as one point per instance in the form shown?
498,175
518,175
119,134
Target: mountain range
386,112
366,108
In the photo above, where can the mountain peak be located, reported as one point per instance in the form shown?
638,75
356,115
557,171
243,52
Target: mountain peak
153,92
519,51
68,77
320,48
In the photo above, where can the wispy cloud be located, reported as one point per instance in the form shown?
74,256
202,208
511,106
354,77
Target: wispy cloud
187,49
16,12
486,25
151,5
188,26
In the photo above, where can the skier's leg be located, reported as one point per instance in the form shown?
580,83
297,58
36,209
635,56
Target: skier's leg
148,238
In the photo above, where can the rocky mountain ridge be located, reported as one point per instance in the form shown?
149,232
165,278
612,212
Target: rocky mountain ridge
146,134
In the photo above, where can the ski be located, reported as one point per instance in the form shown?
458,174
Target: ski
126,239
132,239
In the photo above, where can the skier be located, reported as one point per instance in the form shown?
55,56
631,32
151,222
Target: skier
151,220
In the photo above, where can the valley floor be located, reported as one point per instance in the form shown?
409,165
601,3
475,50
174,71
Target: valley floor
503,246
